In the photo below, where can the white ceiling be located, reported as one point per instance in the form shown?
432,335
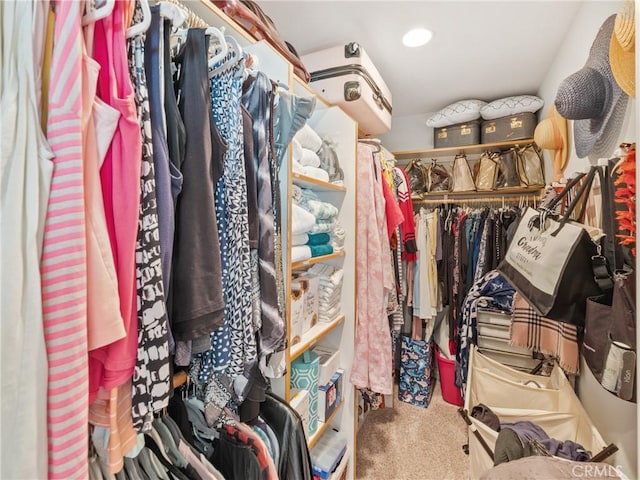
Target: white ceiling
480,49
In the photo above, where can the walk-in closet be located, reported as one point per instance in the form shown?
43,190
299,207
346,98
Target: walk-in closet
318,240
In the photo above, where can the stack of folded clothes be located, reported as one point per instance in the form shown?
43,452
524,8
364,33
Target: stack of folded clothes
315,226
337,238
301,222
329,291
316,157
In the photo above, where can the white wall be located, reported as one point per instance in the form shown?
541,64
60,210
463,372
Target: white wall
409,133
615,419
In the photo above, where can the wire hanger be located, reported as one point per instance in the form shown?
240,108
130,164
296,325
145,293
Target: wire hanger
142,26
93,12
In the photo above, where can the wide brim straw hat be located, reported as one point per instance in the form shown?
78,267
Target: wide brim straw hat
622,49
593,99
552,133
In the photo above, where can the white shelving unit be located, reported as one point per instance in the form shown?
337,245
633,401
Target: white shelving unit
331,122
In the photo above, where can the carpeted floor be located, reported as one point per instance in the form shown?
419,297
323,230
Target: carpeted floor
412,443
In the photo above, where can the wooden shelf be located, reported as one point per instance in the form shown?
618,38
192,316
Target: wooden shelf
315,333
314,260
315,184
452,151
322,426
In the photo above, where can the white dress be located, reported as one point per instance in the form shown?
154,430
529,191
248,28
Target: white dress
25,175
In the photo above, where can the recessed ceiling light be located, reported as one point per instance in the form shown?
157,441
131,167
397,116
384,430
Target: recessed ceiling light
417,37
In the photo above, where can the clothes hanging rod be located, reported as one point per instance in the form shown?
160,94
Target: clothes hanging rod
511,199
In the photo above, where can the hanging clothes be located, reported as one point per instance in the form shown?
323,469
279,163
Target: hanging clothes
426,297
372,366
196,292
233,344
257,98
112,365
64,256
104,320
168,179
26,170
152,373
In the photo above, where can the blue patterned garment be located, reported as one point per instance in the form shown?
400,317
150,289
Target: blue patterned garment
234,343
491,291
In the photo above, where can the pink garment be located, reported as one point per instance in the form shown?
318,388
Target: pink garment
113,364
104,321
63,264
393,214
372,367
408,227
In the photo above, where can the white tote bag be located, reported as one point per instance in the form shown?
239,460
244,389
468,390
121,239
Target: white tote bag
551,267
551,263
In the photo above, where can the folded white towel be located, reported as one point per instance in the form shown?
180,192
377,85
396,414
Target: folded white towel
309,158
333,280
338,234
316,173
322,226
322,210
331,314
332,298
323,269
297,168
297,150
300,253
325,306
301,221
308,138
300,239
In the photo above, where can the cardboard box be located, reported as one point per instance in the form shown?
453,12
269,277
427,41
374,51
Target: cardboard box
311,299
297,315
300,403
329,363
330,396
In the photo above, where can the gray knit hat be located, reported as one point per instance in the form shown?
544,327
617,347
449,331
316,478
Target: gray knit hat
592,98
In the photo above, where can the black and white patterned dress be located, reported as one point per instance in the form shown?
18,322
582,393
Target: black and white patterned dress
151,378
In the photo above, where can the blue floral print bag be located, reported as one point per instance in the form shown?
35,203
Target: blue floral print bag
416,380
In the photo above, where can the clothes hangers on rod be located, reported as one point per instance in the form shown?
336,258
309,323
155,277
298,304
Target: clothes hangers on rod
174,12
238,55
95,12
372,141
222,44
142,26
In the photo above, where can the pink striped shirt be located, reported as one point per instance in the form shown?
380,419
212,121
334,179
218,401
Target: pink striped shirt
63,265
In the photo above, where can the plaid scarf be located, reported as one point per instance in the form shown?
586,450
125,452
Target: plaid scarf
549,337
